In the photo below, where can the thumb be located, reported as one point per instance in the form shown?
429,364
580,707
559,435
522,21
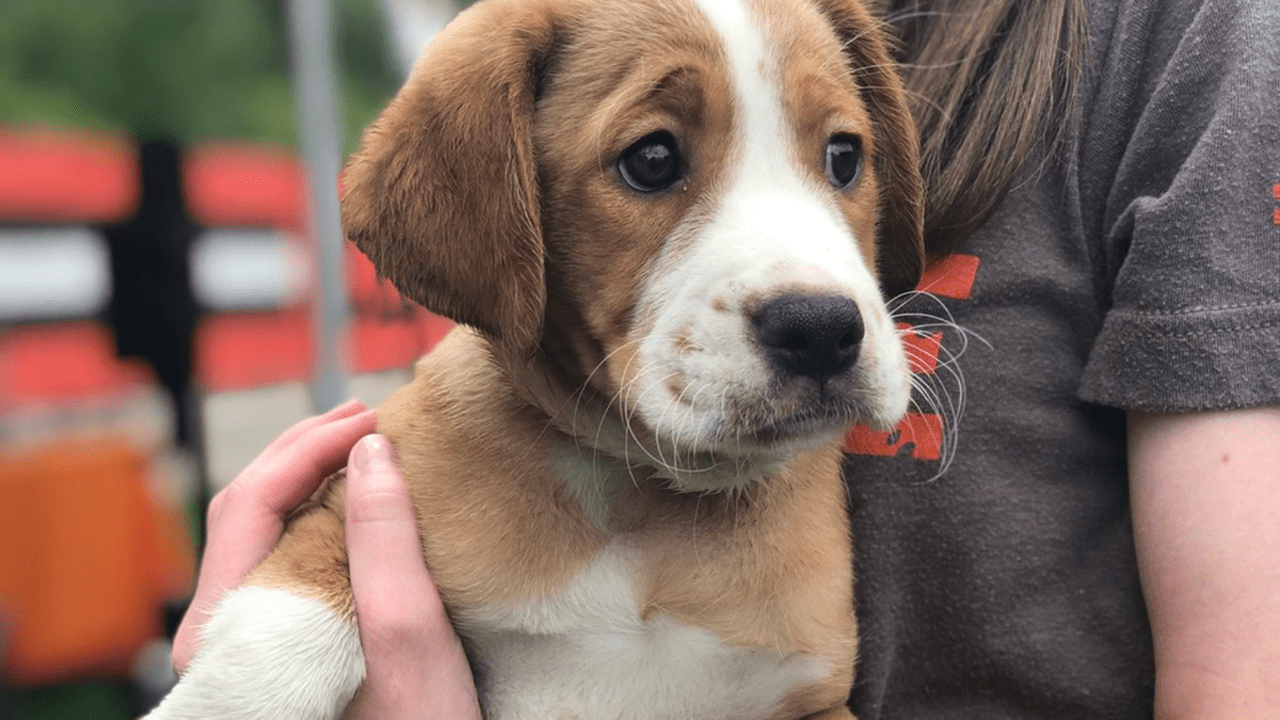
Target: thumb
414,659
385,552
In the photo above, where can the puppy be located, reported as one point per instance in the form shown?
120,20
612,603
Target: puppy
668,228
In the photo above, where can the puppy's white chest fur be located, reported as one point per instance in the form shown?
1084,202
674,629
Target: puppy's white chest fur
586,652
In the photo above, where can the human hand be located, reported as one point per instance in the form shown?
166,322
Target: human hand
411,652
246,518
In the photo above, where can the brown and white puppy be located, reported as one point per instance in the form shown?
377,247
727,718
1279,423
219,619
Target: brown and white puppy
670,226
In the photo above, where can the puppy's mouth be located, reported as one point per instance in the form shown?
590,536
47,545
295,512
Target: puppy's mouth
815,423
790,425
732,448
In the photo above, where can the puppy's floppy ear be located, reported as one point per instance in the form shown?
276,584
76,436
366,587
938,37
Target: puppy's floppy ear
442,194
900,257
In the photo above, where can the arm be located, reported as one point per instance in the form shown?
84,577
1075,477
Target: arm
1205,491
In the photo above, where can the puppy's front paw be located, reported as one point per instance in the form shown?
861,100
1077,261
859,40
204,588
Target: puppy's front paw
268,653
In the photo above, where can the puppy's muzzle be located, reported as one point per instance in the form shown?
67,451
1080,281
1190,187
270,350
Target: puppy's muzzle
816,337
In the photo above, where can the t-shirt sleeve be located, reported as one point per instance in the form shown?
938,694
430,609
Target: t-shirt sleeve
1179,177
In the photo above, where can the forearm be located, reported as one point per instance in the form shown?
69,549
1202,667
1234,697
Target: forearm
1206,509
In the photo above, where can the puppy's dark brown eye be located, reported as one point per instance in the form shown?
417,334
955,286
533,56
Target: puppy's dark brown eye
844,160
651,164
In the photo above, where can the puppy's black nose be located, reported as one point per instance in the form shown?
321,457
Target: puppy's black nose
814,337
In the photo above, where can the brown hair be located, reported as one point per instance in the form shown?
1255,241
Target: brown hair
989,84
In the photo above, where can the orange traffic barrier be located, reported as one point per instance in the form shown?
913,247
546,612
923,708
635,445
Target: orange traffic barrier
86,560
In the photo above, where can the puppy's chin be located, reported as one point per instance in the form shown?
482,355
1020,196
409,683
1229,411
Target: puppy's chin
735,442
737,470
734,461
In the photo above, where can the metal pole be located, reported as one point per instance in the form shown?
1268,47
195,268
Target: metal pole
412,24
309,48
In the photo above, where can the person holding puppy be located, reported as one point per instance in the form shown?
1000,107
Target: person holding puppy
1102,542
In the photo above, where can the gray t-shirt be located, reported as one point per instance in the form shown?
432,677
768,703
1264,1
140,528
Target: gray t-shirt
1143,273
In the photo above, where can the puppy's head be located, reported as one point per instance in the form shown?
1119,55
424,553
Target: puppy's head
698,206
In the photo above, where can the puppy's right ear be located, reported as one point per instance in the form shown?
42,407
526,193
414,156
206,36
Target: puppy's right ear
442,194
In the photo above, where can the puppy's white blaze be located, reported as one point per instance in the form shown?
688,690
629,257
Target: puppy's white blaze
772,231
586,652
267,653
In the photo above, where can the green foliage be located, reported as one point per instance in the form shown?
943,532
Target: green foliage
97,700
191,69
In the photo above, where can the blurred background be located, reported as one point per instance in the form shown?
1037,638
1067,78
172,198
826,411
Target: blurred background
174,293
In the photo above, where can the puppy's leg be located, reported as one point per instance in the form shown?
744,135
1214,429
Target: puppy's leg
285,645
269,653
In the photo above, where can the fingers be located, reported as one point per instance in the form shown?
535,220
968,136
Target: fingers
292,466
246,518
414,659
251,509
347,409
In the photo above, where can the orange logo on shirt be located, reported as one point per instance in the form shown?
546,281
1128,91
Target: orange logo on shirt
920,435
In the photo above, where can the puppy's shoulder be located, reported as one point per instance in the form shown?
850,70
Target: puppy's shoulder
459,419
457,389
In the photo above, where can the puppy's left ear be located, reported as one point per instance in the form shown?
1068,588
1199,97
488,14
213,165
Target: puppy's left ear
442,194
900,245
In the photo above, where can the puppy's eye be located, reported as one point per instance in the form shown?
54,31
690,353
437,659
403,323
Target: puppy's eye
652,163
844,160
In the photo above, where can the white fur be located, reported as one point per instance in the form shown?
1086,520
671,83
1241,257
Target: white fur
586,653
269,654
773,229
592,478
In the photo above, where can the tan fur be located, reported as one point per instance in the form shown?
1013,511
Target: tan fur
446,174
772,568
489,503
312,548
485,192
607,92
